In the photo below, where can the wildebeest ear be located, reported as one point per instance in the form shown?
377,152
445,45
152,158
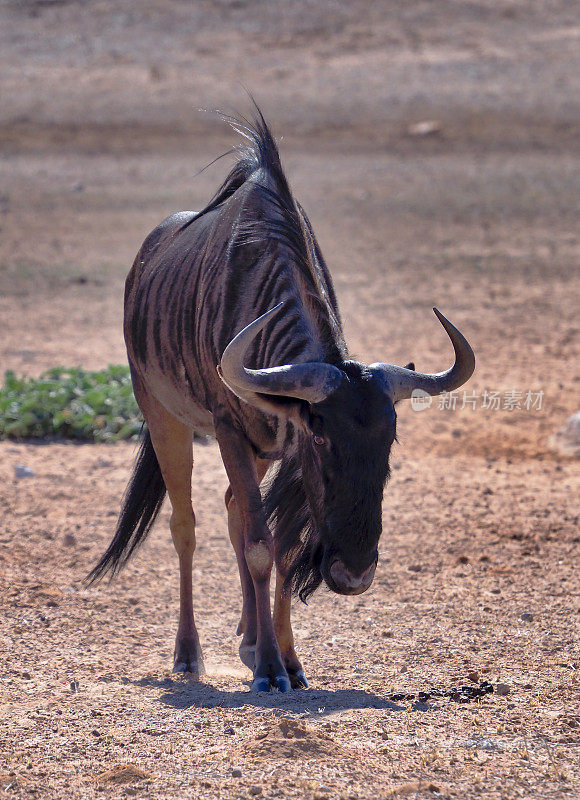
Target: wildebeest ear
410,365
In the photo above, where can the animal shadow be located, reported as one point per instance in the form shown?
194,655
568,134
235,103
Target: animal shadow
183,694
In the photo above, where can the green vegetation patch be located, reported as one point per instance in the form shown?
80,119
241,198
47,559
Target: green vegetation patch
70,404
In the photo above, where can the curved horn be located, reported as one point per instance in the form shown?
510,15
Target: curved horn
312,381
400,382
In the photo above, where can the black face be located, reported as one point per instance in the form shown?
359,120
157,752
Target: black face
345,444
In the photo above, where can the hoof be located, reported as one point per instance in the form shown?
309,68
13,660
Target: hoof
265,684
282,683
188,657
298,680
260,685
192,667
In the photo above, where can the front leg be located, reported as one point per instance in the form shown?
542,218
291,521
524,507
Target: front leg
240,464
248,622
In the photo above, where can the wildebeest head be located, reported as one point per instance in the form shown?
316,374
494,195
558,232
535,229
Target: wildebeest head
344,444
326,497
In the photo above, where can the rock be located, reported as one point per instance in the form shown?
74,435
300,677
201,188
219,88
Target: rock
21,471
566,440
229,731
69,540
526,616
427,127
74,686
473,676
236,773
502,689
255,790
415,568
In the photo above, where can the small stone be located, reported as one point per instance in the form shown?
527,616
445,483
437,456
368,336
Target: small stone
74,686
473,676
388,634
403,669
229,731
502,689
427,127
27,676
21,471
526,616
255,790
415,568
236,773
567,439
69,540
462,560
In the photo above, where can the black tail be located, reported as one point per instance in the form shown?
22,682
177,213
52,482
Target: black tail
141,504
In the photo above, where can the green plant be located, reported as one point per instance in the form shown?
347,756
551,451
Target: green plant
70,404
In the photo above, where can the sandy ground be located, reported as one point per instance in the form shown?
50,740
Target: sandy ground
100,138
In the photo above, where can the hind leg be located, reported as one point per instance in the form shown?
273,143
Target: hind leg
248,622
172,441
284,634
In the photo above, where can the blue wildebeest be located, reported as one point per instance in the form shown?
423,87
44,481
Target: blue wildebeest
242,285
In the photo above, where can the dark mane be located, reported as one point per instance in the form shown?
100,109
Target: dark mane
281,220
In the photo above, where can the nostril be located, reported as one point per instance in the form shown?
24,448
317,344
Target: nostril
345,581
340,575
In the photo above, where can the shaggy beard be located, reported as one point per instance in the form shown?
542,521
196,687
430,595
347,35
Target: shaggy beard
298,549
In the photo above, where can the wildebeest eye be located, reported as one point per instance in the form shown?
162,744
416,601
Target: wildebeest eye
318,439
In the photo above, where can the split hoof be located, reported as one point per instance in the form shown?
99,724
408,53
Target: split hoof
265,684
188,657
192,667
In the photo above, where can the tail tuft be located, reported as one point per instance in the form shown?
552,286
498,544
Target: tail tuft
141,504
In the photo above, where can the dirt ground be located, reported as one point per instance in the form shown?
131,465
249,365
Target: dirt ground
100,138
